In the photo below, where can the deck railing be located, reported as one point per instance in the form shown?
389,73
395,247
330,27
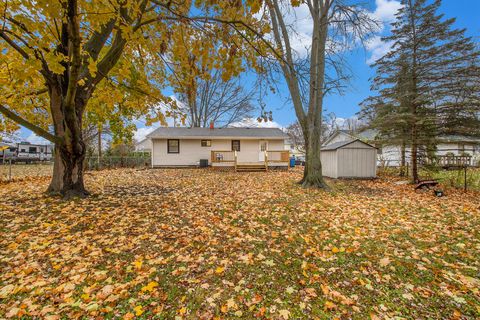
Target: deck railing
447,161
231,157
223,156
277,155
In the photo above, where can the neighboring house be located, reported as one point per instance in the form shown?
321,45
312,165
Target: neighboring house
294,149
144,145
339,136
390,155
238,148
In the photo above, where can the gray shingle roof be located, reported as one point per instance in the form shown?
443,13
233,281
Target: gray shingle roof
170,132
371,134
338,145
337,132
458,138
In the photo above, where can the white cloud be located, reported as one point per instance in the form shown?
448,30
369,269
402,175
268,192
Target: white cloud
8,137
377,48
385,13
386,10
142,130
301,26
34,139
301,21
253,123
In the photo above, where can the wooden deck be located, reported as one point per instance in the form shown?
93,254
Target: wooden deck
229,159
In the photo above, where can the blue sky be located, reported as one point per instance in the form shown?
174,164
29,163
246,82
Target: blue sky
467,13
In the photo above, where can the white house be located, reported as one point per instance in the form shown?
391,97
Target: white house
294,149
144,145
390,155
339,136
239,148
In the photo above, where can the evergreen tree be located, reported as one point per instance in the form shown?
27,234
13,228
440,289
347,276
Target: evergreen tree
427,85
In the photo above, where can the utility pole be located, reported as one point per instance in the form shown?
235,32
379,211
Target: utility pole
99,145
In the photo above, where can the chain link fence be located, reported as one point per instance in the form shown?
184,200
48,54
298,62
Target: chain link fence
15,171
96,163
10,171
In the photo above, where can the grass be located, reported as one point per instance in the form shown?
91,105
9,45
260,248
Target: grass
200,244
456,178
21,171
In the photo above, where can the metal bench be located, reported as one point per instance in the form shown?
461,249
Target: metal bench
422,184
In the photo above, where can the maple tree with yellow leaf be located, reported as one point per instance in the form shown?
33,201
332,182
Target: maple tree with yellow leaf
62,59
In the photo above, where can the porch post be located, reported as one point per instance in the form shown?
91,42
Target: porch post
266,160
235,159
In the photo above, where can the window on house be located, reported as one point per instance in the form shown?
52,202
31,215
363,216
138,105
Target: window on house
206,143
173,146
263,146
23,150
235,145
32,150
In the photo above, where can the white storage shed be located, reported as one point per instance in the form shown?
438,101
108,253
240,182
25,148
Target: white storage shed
349,159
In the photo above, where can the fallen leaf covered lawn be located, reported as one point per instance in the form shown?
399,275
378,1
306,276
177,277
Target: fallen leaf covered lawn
200,244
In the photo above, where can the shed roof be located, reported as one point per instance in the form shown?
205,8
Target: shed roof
182,132
341,144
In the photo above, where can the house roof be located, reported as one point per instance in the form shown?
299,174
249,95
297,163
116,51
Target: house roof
371,134
336,133
219,133
368,134
341,144
458,138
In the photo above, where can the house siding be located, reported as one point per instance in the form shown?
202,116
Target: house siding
191,151
391,154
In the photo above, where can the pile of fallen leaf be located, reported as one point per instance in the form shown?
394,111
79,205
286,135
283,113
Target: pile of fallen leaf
20,171
201,244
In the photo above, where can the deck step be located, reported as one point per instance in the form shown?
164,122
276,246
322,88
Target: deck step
251,167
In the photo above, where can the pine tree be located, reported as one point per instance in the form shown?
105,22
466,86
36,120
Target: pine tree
427,85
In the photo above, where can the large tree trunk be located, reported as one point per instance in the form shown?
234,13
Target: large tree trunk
312,174
56,184
73,185
70,151
403,162
414,152
67,177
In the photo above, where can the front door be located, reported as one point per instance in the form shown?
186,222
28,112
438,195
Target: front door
263,147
